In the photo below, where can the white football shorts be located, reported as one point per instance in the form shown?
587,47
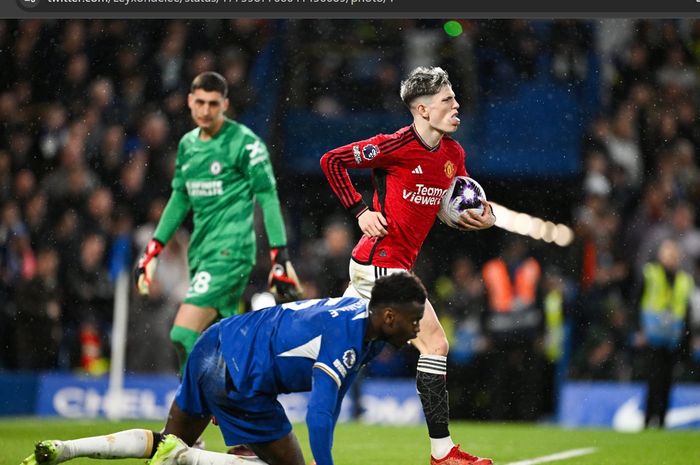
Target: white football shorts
362,278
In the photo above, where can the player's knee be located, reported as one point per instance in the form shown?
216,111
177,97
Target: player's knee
183,339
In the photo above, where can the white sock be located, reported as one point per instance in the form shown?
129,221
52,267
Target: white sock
441,447
205,457
133,443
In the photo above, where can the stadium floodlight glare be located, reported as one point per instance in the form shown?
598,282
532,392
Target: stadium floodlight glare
532,226
536,228
521,223
549,230
563,235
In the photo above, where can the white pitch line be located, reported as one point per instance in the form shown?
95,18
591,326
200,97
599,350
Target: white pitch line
567,454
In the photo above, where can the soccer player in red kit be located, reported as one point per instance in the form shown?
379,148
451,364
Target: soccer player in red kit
411,169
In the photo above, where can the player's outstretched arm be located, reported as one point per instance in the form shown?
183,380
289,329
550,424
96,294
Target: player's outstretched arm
473,221
320,416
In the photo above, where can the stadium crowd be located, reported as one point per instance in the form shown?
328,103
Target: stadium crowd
90,116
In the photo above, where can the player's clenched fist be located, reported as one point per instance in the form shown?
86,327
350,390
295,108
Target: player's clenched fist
283,280
146,268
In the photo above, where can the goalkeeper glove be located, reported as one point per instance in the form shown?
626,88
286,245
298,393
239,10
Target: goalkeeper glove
283,280
146,268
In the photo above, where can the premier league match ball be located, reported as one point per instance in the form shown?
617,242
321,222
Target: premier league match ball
463,194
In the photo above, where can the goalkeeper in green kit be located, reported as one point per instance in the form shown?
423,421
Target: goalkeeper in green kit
222,168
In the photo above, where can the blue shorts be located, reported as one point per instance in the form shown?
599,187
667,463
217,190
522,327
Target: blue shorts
206,389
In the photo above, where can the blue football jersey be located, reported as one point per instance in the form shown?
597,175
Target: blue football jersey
275,350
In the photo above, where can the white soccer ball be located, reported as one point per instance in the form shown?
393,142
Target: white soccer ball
463,194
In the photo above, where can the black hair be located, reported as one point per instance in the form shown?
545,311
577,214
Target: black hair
210,82
397,289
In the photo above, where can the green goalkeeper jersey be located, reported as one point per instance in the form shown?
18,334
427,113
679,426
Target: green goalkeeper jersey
219,179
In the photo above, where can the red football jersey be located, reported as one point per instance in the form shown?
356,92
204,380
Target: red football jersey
409,180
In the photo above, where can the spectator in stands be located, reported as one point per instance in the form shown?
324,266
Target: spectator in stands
53,132
570,42
679,225
235,69
686,170
98,214
332,278
39,312
17,263
17,259
522,46
70,87
36,218
650,211
676,69
65,233
6,178
20,144
632,69
25,186
88,310
111,154
104,102
662,134
133,98
130,188
623,146
70,184
689,125
167,74
154,137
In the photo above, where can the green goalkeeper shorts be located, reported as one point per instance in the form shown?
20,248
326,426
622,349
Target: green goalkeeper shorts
218,284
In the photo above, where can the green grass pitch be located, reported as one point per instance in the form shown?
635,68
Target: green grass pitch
358,444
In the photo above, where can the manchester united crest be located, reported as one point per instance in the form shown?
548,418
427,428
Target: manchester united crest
450,169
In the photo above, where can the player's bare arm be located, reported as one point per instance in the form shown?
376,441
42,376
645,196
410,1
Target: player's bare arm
472,220
372,224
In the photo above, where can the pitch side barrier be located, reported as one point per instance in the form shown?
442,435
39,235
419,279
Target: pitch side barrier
391,402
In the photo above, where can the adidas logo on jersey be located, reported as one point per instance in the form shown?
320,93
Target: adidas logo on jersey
417,170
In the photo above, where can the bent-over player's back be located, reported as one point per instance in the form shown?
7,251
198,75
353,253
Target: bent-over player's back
275,350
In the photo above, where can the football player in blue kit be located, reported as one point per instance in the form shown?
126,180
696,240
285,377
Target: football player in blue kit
240,365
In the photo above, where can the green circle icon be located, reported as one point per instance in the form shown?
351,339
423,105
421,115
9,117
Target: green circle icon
453,28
